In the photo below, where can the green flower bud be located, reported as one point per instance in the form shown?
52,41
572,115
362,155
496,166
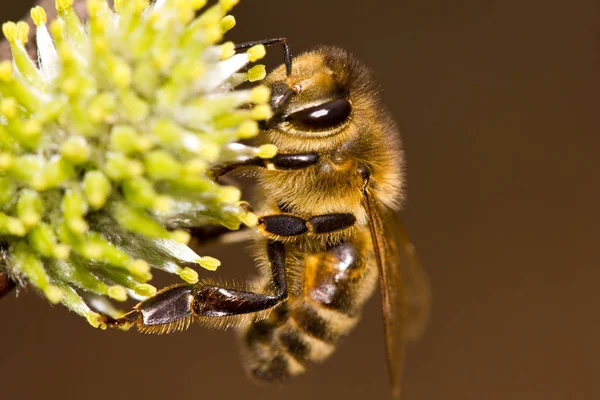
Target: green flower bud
107,141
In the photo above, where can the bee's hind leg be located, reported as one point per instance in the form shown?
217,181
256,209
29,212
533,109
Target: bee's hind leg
163,312
175,307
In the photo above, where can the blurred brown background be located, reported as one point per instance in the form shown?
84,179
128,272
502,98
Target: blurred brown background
498,105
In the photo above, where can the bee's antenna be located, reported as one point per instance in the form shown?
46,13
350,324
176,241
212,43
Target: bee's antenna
268,42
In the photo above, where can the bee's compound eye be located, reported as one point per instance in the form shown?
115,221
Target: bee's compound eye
323,116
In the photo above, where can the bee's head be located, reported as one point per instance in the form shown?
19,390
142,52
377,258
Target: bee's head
315,105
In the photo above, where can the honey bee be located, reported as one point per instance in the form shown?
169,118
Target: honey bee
327,233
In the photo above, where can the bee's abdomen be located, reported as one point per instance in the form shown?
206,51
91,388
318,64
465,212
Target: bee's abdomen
306,328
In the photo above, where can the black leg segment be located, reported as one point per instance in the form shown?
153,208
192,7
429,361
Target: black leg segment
283,225
294,161
214,301
290,225
331,222
268,42
167,306
283,162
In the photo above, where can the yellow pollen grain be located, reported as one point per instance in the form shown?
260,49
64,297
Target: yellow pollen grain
100,45
227,23
30,219
32,128
213,34
260,94
209,151
227,5
248,129
54,294
195,166
139,267
6,161
209,263
62,251
227,50
256,52
197,4
8,107
16,227
123,75
95,320
70,86
189,275
197,70
180,236
185,15
136,168
78,225
66,53
38,15
56,29
94,6
145,290
249,219
117,293
261,112
9,29
63,5
39,183
22,32
230,194
92,250
162,204
257,73
267,151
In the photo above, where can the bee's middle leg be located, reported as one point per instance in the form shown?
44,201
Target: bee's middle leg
291,225
173,308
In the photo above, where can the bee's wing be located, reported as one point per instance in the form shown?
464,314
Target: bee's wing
417,293
404,287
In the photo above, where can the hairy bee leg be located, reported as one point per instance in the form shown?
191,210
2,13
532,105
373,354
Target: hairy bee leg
6,284
172,308
214,301
125,322
279,162
166,307
290,225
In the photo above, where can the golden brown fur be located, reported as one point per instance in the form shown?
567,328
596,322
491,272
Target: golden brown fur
370,137
282,345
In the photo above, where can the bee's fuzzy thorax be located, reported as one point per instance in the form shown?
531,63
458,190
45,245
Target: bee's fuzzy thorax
370,137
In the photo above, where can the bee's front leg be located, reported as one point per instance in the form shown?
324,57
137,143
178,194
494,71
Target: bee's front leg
279,162
175,307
